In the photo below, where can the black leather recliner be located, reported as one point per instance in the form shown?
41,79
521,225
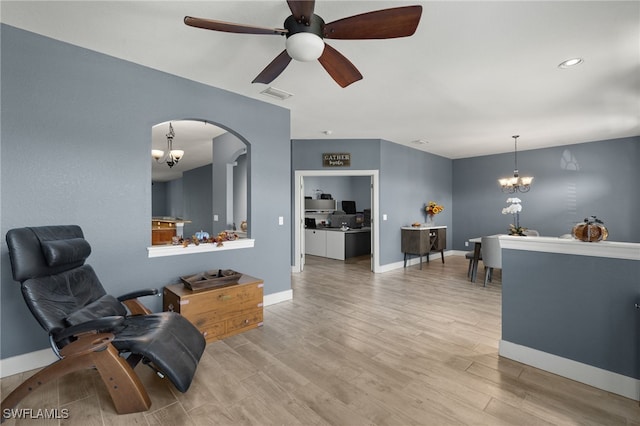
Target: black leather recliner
91,329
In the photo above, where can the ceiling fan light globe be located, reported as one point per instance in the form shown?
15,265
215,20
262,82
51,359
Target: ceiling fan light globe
304,47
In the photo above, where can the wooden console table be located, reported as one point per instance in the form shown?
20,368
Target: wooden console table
423,240
218,312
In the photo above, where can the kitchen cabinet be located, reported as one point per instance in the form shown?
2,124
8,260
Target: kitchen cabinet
315,242
336,244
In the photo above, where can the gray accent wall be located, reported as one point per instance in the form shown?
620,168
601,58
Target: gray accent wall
577,307
341,188
570,183
197,193
75,149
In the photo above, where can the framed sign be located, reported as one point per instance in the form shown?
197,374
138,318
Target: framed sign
336,159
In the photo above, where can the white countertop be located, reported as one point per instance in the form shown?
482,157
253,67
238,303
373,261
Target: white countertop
348,231
421,227
611,249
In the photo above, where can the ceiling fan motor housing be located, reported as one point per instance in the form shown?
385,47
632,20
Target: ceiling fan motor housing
315,25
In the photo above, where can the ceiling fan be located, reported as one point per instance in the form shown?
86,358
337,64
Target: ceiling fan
305,32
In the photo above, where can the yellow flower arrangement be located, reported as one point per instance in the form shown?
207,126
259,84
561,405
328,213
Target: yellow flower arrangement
433,208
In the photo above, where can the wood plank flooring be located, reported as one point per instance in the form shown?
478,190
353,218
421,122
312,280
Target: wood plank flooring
406,347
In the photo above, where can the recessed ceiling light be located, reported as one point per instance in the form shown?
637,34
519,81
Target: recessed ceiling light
276,93
570,63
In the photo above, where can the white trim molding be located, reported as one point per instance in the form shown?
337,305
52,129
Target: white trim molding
298,208
25,362
273,298
574,370
171,250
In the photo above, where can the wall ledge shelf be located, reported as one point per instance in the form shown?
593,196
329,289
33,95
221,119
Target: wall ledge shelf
171,250
610,249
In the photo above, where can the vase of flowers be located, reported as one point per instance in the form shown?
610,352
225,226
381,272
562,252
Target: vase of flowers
431,209
514,208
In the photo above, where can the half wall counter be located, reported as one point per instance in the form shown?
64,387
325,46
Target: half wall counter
572,308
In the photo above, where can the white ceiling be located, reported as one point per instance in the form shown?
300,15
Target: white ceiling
474,73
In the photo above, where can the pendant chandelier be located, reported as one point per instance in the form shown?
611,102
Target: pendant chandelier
173,155
516,183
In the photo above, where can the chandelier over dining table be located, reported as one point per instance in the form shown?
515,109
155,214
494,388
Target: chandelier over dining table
173,155
516,183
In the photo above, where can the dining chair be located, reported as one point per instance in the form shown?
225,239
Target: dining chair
491,256
469,255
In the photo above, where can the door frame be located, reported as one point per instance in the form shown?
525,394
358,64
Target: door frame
298,207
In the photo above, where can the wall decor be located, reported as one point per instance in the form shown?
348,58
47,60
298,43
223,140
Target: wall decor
339,159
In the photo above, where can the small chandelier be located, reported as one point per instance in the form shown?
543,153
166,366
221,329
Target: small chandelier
517,182
173,155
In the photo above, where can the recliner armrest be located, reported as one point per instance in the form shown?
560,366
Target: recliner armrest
138,293
98,325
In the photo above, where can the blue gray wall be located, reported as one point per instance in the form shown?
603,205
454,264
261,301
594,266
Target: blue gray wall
408,179
75,149
341,188
577,307
570,183
197,194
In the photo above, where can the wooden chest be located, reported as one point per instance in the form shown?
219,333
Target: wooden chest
219,312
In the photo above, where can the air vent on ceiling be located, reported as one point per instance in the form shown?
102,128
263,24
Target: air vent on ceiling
276,93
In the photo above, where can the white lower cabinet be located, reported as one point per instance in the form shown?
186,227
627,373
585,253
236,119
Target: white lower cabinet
335,244
315,242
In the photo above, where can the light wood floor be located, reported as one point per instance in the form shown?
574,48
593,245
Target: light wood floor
407,347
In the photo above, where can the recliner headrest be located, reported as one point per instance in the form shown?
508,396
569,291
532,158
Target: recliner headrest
60,252
46,250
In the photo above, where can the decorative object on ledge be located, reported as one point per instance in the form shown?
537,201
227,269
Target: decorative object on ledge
243,226
173,155
514,208
516,183
431,209
590,230
204,238
211,279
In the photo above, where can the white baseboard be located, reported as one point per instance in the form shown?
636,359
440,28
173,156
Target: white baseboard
415,260
25,362
273,298
583,373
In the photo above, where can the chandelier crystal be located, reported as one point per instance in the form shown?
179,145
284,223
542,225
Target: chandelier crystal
516,183
173,155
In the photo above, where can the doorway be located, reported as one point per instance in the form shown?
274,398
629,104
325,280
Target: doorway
299,212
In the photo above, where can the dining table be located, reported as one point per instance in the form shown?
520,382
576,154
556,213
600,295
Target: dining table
477,247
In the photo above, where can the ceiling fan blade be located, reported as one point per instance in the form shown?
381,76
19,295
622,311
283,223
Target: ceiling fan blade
302,10
339,67
386,23
274,69
230,27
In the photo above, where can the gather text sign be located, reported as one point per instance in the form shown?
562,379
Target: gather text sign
336,159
